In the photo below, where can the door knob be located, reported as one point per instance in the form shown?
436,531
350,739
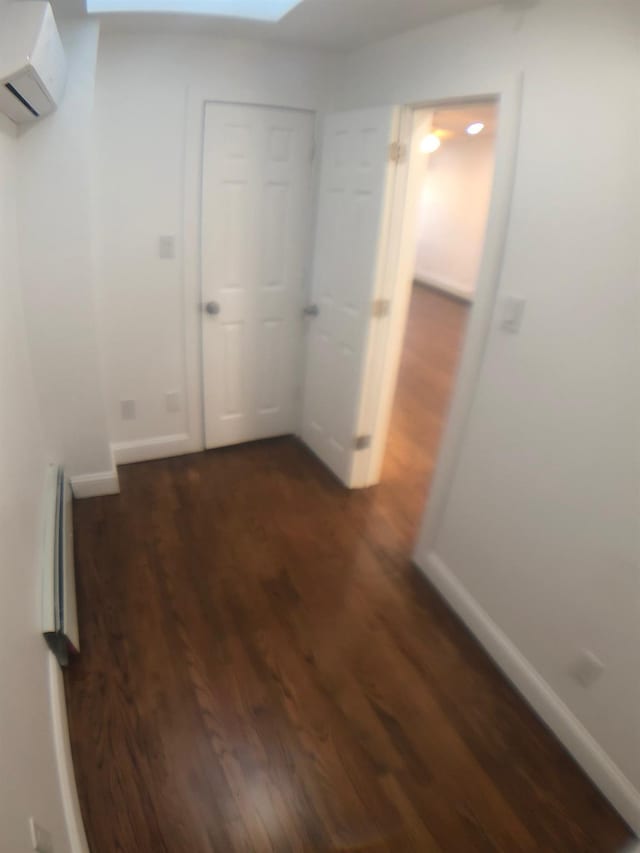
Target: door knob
311,311
212,308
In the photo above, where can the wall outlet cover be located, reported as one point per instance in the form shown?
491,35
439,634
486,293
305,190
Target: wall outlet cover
40,838
128,410
586,669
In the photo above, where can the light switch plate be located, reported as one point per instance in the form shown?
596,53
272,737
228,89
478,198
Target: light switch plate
512,313
166,246
40,838
173,402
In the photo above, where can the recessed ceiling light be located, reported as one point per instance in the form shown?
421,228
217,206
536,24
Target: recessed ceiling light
475,128
430,144
253,10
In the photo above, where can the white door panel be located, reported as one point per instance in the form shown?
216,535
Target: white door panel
255,204
353,195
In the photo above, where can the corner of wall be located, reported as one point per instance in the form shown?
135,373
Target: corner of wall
98,484
588,753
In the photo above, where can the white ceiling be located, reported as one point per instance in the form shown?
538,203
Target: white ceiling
332,24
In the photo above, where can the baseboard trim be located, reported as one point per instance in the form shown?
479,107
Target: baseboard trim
451,288
95,485
568,729
64,761
145,449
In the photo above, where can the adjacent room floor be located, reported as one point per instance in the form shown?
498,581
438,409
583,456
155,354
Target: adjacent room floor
264,670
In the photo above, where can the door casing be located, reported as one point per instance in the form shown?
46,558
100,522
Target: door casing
198,97
395,285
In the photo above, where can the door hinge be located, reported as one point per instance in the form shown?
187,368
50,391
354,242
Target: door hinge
397,150
381,308
362,442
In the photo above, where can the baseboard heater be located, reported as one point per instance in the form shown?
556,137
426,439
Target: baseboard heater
59,608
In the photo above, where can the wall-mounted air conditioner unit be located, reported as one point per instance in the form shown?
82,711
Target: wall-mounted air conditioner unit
32,61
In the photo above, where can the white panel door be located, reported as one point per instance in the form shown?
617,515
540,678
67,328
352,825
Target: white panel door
354,193
256,180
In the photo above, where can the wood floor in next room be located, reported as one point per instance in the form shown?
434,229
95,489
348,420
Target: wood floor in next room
264,670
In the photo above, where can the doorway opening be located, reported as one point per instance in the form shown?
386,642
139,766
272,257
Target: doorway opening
375,188
450,195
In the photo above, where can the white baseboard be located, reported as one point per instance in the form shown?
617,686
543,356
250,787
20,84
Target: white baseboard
145,449
64,761
446,285
94,485
568,729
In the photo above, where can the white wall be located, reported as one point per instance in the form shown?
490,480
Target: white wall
453,214
540,526
144,138
56,237
28,781
540,530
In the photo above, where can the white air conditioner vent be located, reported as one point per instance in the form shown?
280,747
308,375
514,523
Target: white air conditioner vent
32,61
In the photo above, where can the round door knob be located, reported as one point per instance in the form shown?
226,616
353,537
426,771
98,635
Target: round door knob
212,308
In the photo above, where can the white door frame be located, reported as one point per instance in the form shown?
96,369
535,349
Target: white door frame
393,288
196,101
379,388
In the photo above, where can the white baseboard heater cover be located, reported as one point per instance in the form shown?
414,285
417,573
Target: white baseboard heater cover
59,609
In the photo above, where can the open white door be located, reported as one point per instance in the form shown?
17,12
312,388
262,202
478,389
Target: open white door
356,180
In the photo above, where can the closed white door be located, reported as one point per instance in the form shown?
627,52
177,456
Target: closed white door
256,181
354,194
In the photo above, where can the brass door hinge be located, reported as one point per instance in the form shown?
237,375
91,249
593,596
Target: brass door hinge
397,151
362,442
381,308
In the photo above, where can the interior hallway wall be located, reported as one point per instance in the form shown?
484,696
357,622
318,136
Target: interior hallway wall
142,146
56,232
539,535
28,782
454,205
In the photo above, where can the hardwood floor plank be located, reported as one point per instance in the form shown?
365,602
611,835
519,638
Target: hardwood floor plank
264,670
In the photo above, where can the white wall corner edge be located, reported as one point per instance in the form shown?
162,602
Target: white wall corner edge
588,753
96,485
446,285
64,761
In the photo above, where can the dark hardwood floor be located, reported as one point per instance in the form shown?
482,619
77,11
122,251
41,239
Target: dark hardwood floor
264,670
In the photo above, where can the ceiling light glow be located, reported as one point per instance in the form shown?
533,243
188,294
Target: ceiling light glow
430,144
475,128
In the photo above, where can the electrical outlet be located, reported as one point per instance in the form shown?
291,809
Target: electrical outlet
166,246
586,669
172,401
128,410
40,838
